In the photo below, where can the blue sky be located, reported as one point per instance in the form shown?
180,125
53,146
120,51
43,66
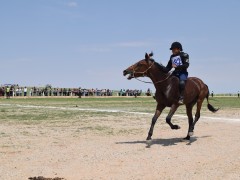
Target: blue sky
71,43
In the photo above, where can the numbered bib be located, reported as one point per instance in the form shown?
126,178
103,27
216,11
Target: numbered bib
177,61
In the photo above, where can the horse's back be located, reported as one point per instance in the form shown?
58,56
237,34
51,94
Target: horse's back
196,79
197,82
195,86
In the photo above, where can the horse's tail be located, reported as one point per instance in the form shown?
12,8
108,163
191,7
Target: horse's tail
210,107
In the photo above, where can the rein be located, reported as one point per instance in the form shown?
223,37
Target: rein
143,75
155,82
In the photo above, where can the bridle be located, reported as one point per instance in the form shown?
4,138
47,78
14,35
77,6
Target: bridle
144,75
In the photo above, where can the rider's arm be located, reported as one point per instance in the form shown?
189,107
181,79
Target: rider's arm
184,66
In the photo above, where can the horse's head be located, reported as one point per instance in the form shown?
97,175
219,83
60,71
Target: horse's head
140,68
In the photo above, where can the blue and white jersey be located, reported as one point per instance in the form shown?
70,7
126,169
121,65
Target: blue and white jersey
177,60
181,61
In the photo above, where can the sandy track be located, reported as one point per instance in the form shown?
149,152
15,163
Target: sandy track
62,151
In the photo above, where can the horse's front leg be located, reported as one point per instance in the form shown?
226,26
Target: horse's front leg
154,120
169,116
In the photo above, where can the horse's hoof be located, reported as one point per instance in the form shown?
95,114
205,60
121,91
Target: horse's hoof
149,139
176,127
148,143
186,139
190,133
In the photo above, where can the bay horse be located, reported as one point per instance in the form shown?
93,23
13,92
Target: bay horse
167,92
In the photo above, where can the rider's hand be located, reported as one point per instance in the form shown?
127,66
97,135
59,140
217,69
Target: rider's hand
174,65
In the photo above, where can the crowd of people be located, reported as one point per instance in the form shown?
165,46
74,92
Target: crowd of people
16,90
228,94
48,90
96,92
129,92
135,92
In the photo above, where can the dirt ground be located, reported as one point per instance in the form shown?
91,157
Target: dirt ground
68,151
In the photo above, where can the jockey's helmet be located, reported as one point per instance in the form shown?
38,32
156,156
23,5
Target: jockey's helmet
176,45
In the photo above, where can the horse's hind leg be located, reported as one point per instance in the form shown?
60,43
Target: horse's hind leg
154,120
197,115
189,108
169,116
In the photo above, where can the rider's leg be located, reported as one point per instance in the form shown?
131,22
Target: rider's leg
182,80
181,87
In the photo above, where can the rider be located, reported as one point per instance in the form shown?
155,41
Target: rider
180,61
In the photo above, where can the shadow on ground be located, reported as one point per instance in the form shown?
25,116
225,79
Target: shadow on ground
164,142
43,178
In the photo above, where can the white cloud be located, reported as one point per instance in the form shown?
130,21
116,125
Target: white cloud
72,4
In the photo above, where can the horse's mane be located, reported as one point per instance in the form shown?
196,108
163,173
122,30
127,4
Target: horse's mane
160,66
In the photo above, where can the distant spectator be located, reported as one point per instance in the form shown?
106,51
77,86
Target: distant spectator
109,92
37,92
55,92
80,92
148,92
8,92
64,92
31,92
50,91
212,94
17,92
2,91
120,93
20,91
103,93
12,91
238,94
124,92
135,93
69,92
97,92
25,91
34,93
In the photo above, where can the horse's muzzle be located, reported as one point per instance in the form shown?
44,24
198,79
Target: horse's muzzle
126,72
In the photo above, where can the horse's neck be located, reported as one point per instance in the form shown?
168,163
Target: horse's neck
158,77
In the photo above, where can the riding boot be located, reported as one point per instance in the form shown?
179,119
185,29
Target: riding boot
181,88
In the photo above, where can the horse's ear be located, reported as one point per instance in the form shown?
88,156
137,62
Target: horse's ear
146,56
151,54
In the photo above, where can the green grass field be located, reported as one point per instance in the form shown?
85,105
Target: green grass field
11,109
112,102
